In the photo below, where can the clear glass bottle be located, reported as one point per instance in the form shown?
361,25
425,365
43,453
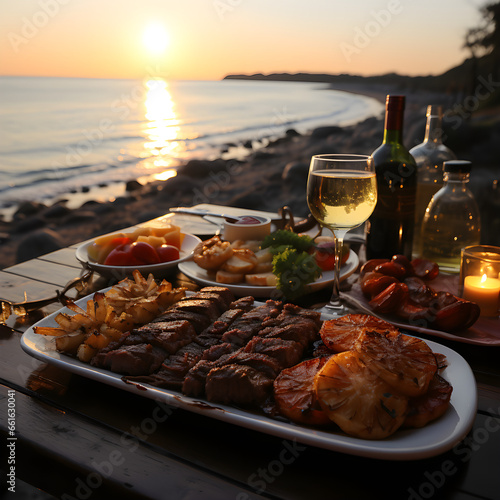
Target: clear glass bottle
451,220
429,157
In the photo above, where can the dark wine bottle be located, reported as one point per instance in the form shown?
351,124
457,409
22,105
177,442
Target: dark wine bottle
390,227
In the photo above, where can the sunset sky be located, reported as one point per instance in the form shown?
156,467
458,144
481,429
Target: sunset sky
207,39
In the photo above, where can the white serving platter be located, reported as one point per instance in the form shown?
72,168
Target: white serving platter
408,444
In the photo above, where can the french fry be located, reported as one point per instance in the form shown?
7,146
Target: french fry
85,353
50,331
97,340
70,342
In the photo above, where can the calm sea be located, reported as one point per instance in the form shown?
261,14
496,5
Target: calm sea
67,135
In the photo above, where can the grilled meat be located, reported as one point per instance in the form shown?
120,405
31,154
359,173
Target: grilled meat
238,384
211,344
169,335
175,367
286,352
132,359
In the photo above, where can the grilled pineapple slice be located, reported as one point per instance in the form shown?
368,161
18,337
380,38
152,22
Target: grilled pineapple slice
340,334
294,393
406,363
357,400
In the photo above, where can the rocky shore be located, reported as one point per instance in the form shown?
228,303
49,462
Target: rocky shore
268,178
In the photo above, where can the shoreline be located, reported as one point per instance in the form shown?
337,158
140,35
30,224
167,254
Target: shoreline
89,158
270,177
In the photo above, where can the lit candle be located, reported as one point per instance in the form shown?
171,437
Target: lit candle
484,291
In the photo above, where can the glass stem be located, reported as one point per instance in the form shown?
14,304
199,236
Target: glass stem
335,300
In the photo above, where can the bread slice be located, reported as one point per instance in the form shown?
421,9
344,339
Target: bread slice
261,279
229,278
264,255
242,261
265,267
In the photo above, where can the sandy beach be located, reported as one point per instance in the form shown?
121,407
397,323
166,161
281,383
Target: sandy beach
268,178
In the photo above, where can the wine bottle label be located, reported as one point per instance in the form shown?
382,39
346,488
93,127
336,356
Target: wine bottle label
395,205
396,180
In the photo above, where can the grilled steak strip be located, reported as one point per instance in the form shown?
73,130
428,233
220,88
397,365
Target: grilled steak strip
224,293
133,359
251,323
165,337
286,352
169,335
238,384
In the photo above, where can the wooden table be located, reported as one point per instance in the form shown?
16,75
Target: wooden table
78,438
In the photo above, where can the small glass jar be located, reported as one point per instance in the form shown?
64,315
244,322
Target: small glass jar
451,220
480,277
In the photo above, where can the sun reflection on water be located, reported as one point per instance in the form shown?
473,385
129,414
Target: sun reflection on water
162,129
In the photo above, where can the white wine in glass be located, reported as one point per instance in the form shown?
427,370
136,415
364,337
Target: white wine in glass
341,194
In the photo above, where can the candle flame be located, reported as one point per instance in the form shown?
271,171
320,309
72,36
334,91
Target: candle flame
484,278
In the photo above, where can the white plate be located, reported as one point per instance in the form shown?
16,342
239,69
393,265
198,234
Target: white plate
200,276
485,331
188,245
409,444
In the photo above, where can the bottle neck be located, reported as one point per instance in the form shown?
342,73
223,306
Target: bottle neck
456,179
434,130
393,136
393,126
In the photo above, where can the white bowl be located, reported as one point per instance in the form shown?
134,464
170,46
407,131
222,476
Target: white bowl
188,245
258,229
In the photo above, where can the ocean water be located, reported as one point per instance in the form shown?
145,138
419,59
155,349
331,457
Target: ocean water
63,137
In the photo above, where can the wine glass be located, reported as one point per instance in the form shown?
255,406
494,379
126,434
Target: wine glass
341,194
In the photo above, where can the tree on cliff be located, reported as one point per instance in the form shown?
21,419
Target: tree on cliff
483,42
485,39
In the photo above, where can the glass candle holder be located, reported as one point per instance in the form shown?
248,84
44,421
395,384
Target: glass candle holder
480,277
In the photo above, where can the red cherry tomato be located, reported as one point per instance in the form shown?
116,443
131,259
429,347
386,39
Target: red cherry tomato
167,253
325,259
144,252
325,256
121,256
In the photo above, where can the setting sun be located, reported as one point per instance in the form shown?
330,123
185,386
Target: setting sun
155,38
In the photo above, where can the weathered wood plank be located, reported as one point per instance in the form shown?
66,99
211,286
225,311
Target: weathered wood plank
65,256
101,459
13,286
41,270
